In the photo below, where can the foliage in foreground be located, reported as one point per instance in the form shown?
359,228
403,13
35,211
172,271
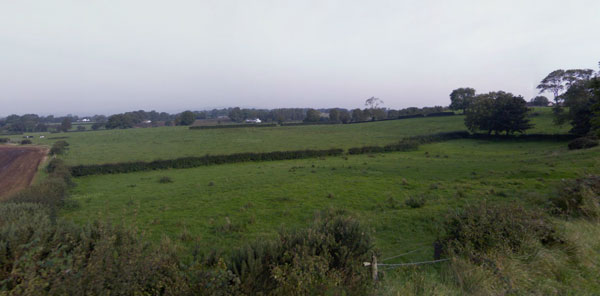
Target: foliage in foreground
578,198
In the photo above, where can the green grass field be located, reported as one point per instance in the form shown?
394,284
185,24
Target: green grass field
224,206
146,144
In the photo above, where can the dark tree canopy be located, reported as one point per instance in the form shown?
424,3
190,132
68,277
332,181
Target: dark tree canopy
460,98
579,106
497,112
186,118
539,101
312,115
236,115
334,115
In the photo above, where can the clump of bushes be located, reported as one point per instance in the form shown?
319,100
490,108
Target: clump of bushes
64,259
578,197
4,140
583,143
59,147
326,258
481,229
26,142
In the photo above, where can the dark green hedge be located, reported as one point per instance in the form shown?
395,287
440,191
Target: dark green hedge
190,162
410,143
309,123
200,127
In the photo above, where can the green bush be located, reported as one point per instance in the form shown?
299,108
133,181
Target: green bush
415,202
4,140
40,256
165,179
481,229
59,147
26,142
583,143
326,258
578,197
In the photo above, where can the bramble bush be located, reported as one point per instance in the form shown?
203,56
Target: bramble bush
578,198
583,143
478,230
325,258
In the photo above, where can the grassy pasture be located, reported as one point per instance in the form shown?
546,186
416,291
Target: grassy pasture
223,206
146,144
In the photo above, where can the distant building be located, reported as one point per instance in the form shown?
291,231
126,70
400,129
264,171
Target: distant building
255,120
147,121
86,120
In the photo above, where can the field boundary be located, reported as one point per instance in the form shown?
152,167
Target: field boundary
406,144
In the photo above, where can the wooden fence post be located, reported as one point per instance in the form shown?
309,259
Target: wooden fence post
374,268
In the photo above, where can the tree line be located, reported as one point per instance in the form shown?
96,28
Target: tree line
576,101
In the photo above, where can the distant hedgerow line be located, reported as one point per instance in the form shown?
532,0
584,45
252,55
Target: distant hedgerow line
190,162
232,126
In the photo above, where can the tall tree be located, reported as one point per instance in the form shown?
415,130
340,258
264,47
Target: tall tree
553,83
372,104
65,125
334,115
460,98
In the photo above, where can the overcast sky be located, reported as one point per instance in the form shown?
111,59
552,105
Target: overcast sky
105,57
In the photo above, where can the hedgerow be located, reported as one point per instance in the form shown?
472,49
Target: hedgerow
410,143
190,162
200,127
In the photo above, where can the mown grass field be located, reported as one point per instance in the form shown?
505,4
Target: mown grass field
220,207
146,144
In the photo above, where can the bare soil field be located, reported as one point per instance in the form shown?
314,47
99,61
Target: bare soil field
18,166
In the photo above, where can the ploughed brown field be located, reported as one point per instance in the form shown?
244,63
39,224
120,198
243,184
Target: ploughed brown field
18,166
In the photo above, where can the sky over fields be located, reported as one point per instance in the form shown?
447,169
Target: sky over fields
105,57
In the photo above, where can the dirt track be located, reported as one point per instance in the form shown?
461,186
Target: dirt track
18,166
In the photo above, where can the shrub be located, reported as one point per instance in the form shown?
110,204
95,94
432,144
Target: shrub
26,142
481,229
165,179
325,258
578,197
583,143
59,147
44,257
415,202
4,140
